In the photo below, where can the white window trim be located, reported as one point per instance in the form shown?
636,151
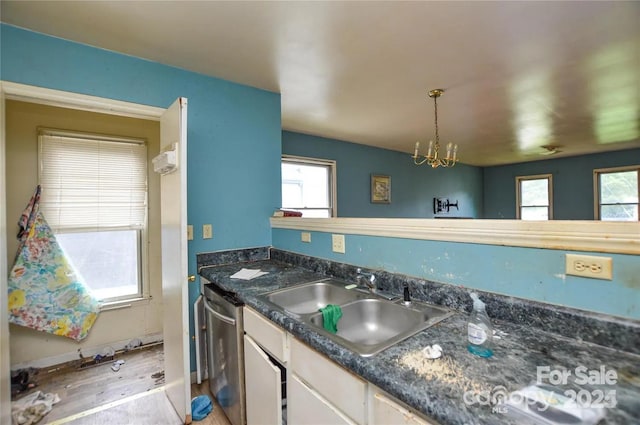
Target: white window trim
332,176
596,184
549,178
144,291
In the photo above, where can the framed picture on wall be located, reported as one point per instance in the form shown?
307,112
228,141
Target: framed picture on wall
380,189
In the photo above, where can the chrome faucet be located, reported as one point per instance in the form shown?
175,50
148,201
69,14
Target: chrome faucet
370,279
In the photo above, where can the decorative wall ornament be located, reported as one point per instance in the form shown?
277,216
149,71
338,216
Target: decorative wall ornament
380,189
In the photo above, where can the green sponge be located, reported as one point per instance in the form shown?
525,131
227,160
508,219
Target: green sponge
330,316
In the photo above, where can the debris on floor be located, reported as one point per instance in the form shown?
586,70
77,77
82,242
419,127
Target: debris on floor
95,361
159,377
201,406
32,407
22,380
116,365
107,351
134,343
106,355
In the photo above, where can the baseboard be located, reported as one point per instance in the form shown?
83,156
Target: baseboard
194,377
87,352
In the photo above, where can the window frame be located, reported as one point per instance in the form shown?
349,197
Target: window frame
520,179
142,238
596,188
332,184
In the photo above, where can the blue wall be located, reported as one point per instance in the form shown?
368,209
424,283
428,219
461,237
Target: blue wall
530,273
234,131
412,187
572,183
536,274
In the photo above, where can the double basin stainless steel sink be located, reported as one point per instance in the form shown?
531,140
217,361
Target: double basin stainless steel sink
369,323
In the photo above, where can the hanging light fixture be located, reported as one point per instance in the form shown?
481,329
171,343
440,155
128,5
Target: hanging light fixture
433,155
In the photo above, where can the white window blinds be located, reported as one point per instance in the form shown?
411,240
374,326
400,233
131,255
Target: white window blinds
92,183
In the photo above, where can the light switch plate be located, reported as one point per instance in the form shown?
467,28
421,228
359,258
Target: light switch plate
189,232
589,266
337,243
305,237
207,231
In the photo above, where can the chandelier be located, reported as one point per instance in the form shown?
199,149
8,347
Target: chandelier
433,155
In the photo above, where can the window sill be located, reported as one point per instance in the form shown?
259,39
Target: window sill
120,304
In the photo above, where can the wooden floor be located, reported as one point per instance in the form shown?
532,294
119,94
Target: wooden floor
132,395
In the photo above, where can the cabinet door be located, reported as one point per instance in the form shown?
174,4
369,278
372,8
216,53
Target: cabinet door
263,386
338,386
307,407
385,411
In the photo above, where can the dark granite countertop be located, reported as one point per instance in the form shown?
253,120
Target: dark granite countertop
439,388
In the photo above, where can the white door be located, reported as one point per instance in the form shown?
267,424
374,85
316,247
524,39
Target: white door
175,290
5,399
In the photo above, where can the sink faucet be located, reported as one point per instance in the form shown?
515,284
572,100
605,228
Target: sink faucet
370,279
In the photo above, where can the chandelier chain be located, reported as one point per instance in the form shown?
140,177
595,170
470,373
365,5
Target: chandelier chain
435,103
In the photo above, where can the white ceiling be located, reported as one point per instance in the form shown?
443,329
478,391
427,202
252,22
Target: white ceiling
517,75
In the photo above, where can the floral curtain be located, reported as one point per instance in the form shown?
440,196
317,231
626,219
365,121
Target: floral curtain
46,293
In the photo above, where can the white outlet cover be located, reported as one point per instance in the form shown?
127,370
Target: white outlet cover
589,266
337,244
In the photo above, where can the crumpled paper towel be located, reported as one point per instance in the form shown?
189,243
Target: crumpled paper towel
432,351
32,407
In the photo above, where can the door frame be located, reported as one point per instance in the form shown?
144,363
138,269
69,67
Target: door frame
63,99
5,365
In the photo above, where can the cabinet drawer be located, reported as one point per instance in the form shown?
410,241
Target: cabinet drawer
342,389
385,411
269,336
307,407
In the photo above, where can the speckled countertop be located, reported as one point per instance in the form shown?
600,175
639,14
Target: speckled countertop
437,387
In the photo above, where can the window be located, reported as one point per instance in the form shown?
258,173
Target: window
534,197
94,197
309,186
617,193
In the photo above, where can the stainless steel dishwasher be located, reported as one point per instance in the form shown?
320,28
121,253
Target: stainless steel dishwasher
225,354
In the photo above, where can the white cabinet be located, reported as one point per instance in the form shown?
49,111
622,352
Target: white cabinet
270,337
385,411
307,407
343,390
265,351
263,386
318,390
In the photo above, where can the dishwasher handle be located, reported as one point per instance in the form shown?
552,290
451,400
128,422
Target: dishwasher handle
226,319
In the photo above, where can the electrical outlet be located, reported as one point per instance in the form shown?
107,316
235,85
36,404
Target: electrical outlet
189,232
337,243
589,266
305,237
207,231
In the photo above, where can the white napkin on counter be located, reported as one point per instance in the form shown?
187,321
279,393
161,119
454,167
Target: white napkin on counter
432,351
248,274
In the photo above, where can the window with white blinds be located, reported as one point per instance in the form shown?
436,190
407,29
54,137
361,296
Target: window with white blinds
94,197
91,183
